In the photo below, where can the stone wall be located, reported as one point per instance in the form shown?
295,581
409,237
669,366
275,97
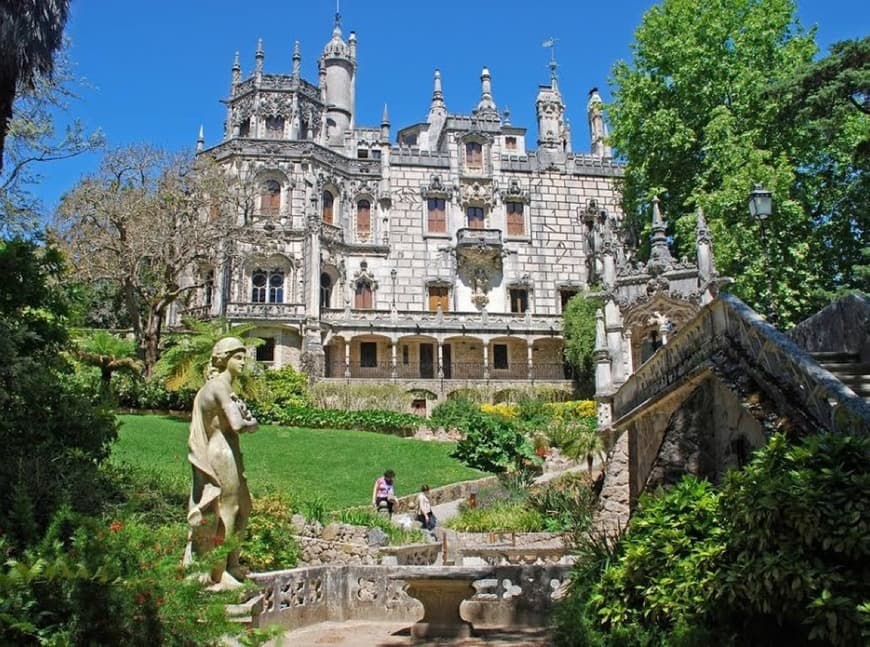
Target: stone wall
841,327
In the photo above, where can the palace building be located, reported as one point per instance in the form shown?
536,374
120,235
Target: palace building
440,255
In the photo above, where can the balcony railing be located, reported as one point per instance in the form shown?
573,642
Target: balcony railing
478,237
383,370
459,321
268,311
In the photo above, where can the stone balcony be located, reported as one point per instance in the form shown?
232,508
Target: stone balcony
478,246
456,323
281,312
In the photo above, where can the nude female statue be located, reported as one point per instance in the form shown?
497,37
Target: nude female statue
220,502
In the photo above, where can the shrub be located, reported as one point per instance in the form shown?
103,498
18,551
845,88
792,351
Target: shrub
574,409
370,518
453,413
385,422
503,410
285,387
138,393
566,504
269,542
493,445
501,517
359,397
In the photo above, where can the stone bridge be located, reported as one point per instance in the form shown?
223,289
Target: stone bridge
702,403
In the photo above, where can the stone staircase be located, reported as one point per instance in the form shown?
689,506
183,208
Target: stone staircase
849,369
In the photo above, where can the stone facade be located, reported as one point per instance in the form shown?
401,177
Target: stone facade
445,254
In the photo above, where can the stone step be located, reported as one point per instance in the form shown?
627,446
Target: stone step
837,357
847,369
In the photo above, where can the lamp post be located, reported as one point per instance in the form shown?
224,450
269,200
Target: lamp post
761,207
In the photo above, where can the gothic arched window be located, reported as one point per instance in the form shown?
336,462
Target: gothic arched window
328,202
363,220
274,127
267,286
325,290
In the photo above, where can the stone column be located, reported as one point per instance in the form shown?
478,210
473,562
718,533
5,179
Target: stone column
486,360
440,360
531,363
313,357
394,367
629,354
347,358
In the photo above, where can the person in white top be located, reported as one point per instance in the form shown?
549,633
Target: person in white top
424,509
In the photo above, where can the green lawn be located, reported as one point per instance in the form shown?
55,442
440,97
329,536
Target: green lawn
338,466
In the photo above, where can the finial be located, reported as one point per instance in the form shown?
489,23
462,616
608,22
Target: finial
237,70
336,30
486,103
660,258
436,91
506,118
297,59
657,220
259,56
385,118
200,140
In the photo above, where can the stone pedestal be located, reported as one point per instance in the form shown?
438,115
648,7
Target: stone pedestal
441,598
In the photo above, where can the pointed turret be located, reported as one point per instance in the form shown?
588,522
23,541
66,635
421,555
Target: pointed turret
437,109
660,259
551,115
297,60
200,140
236,72
338,78
258,60
486,106
597,127
385,125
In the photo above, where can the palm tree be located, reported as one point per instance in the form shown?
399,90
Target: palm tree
108,353
31,31
185,362
585,444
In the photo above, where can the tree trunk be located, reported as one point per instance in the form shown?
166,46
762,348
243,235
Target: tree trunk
7,97
151,338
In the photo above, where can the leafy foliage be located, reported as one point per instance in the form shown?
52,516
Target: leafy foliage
453,413
704,111
578,324
357,397
493,444
384,422
52,436
269,543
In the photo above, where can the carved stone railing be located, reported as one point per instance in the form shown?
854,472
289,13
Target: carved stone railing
454,322
266,311
728,324
411,554
518,555
305,596
296,149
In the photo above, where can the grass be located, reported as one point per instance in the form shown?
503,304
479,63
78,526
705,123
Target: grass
335,466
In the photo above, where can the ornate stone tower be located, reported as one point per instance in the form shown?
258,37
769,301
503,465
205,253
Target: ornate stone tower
338,85
552,130
597,127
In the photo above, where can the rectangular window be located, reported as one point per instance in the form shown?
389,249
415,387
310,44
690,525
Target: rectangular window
274,127
510,143
475,217
362,154
516,221
438,296
500,356
363,298
266,351
565,297
368,354
519,300
406,355
437,212
473,155
363,220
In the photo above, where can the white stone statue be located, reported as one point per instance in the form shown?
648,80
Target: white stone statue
220,502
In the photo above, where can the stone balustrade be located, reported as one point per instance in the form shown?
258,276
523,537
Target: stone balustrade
728,324
503,595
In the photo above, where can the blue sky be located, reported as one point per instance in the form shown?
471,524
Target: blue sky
158,69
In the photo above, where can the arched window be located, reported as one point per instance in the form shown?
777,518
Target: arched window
325,290
363,298
328,202
267,286
475,217
208,289
363,220
473,155
516,222
270,198
274,127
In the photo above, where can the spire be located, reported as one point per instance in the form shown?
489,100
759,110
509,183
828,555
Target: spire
258,58
297,59
385,125
437,109
486,105
200,140
660,258
236,71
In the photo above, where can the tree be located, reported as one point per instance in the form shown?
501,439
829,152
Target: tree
32,140
53,439
578,323
147,222
108,353
31,31
694,115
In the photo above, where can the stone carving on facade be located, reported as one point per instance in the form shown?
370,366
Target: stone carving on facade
273,104
365,276
436,188
515,193
476,192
